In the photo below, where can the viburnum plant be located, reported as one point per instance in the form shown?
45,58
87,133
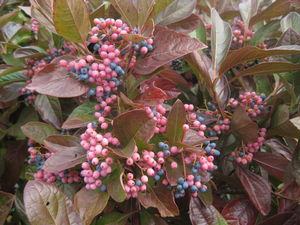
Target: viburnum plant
149,112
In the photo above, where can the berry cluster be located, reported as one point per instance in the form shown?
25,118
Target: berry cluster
34,25
29,95
240,33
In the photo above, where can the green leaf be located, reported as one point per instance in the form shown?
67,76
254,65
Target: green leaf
71,19
221,36
85,108
90,203
38,131
250,53
115,184
6,202
292,20
176,120
49,109
176,11
29,52
243,126
7,17
12,77
113,218
10,70
200,33
174,173
46,204
248,9
159,6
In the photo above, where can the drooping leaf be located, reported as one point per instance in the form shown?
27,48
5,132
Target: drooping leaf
176,11
204,215
90,203
275,165
49,109
257,188
249,53
58,142
160,198
174,173
277,147
221,36
115,185
295,164
71,19
240,211
6,202
134,125
243,126
292,20
38,131
168,45
56,81
186,25
29,52
65,159
46,204
176,120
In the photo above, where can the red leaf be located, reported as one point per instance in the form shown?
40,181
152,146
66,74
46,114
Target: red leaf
240,211
168,45
57,143
257,188
56,81
187,25
277,219
276,146
275,165
160,198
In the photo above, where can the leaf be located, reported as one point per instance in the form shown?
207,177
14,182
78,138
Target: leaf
7,17
90,203
56,81
38,131
276,146
277,8
279,218
248,9
295,164
159,6
65,159
8,92
160,198
12,78
78,121
186,25
292,20
45,204
200,32
49,109
176,11
57,143
134,124
250,53
147,218
257,188
114,218
6,202
71,19
243,126
174,173
204,215
11,70
275,165
115,185
221,36
240,211
176,120
29,52
168,45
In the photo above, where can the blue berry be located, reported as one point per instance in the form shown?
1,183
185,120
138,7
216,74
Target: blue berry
193,189
160,172
103,187
203,189
197,178
161,144
138,183
185,185
157,177
180,180
200,119
92,92
179,187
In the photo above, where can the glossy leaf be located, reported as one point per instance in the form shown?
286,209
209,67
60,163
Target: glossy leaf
71,19
176,11
240,211
176,120
168,45
29,52
160,198
275,165
292,20
46,204
243,126
38,131
257,188
90,203
250,53
221,36
6,202
49,109
135,125
56,81
65,159
204,215
58,142
115,186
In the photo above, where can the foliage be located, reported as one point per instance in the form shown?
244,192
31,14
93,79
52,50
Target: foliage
172,112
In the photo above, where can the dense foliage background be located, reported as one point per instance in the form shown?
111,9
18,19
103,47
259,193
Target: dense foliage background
206,88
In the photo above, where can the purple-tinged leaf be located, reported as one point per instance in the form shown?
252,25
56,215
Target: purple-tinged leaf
186,25
29,52
58,142
257,188
279,218
6,202
277,147
90,203
240,211
45,204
